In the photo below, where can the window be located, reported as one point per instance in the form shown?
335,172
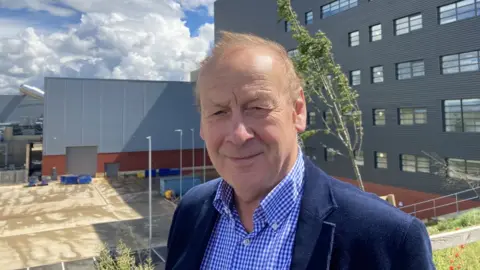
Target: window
377,74
355,77
379,117
354,38
330,154
288,26
408,70
309,18
337,7
311,118
458,11
462,115
376,32
410,116
381,160
292,53
462,62
411,163
408,24
464,169
328,118
359,157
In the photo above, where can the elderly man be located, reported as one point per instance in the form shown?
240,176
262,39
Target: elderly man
273,208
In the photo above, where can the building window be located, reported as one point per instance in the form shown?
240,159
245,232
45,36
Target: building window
376,32
458,11
408,24
379,117
354,38
337,7
462,115
311,118
328,117
355,77
462,62
288,26
381,160
292,53
309,18
410,116
411,163
359,157
377,74
330,154
408,70
464,169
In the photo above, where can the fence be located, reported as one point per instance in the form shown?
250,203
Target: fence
13,177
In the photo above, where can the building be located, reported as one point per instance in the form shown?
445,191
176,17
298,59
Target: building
20,109
416,67
95,126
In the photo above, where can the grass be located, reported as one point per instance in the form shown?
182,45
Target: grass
461,257
467,219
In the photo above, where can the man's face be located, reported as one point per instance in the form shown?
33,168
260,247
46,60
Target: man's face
248,120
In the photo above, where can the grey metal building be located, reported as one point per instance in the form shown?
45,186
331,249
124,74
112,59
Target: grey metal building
93,125
416,67
19,108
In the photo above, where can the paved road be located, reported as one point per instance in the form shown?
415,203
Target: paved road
47,225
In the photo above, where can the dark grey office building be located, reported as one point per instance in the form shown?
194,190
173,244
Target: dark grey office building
416,67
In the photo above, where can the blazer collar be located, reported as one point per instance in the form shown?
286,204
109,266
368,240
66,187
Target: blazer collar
314,234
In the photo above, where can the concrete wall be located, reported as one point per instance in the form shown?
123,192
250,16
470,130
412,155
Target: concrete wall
16,108
118,115
429,43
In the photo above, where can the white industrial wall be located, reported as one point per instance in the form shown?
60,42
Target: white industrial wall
118,115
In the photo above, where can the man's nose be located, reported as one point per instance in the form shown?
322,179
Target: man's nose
239,131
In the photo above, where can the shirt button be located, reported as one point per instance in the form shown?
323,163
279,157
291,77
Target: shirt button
274,226
246,242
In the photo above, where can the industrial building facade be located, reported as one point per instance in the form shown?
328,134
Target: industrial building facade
416,67
96,126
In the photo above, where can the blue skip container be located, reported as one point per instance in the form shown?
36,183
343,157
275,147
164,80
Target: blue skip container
84,179
69,179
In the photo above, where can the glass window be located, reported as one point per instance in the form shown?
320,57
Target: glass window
376,32
328,118
411,163
462,115
377,74
463,169
354,38
408,70
288,26
408,24
462,62
355,77
330,154
292,53
381,160
309,18
379,117
410,116
311,118
459,10
359,157
337,7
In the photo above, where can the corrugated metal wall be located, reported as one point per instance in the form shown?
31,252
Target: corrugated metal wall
118,115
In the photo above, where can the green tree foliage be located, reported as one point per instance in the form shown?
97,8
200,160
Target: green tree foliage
326,86
124,259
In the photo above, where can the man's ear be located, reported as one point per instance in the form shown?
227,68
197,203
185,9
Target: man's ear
300,112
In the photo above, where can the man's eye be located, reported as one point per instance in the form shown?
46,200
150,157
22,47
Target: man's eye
219,112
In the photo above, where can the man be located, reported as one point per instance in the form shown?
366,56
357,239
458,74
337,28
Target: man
273,208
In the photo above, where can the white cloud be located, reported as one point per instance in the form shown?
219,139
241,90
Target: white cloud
127,40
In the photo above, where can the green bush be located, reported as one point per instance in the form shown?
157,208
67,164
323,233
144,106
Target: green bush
123,259
468,219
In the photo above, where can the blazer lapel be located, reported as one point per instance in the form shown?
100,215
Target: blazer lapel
314,236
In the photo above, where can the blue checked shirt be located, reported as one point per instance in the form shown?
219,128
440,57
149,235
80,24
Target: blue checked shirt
270,244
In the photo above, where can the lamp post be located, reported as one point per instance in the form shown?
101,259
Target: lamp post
149,138
204,162
193,153
181,173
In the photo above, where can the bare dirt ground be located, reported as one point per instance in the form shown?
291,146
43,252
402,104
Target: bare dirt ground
55,223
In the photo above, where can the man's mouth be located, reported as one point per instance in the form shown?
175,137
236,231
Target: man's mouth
240,158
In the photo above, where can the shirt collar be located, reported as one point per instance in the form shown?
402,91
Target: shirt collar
278,203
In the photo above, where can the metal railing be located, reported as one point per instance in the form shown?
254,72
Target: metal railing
436,205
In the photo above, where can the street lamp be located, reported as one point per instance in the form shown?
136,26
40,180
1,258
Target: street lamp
149,138
181,184
193,153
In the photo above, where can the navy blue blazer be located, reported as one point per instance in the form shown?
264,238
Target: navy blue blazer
339,227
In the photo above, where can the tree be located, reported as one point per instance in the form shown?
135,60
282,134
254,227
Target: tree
325,83
454,174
